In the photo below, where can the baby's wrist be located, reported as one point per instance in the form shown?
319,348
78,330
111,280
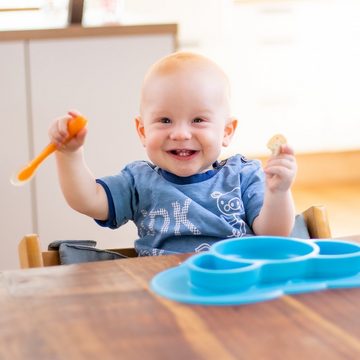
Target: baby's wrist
70,154
278,191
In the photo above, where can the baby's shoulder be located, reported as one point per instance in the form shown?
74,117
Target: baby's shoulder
240,161
141,168
140,165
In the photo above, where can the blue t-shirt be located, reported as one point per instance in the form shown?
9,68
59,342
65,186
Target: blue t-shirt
185,214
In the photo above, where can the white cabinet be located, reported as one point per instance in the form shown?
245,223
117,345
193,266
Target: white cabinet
16,211
99,76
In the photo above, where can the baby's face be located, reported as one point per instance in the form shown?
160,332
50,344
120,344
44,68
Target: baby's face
185,118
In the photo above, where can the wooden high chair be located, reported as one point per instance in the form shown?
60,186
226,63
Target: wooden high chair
31,255
317,222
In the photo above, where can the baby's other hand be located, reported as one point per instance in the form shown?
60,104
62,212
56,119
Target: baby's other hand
281,169
58,133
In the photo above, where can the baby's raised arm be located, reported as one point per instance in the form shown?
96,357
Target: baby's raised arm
77,183
278,211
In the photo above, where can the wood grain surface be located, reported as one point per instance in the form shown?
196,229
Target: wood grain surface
105,310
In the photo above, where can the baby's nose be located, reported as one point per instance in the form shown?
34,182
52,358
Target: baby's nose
180,132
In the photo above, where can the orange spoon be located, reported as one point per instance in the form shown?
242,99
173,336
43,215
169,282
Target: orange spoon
75,124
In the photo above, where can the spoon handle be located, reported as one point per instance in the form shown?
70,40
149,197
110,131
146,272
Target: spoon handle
74,126
27,172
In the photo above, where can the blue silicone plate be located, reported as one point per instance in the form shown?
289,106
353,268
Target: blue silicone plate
246,270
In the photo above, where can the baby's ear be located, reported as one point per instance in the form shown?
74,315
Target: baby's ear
229,131
140,129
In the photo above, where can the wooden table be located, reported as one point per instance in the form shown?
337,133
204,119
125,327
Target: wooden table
105,310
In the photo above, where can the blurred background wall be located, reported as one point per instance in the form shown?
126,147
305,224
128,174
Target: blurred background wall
293,66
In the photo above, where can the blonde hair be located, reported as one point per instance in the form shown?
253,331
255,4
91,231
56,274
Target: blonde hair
180,59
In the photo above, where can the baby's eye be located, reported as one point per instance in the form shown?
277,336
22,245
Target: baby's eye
165,120
198,120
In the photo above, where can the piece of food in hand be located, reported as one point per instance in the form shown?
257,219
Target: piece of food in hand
274,144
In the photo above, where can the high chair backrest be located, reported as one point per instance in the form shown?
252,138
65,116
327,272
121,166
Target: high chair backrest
31,255
317,222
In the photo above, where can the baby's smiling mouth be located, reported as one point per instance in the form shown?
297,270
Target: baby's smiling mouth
182,152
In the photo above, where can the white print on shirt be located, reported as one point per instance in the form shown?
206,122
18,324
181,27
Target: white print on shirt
180,215
152,215
147,225
230,205
238,232
202,247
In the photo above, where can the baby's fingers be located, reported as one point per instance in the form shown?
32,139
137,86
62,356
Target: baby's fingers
80,136
285,161
58,130
279,178
286,149
74,113
280,171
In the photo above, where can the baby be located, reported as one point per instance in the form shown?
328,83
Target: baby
184,200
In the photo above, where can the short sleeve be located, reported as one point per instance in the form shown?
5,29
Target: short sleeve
110,222
119,190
